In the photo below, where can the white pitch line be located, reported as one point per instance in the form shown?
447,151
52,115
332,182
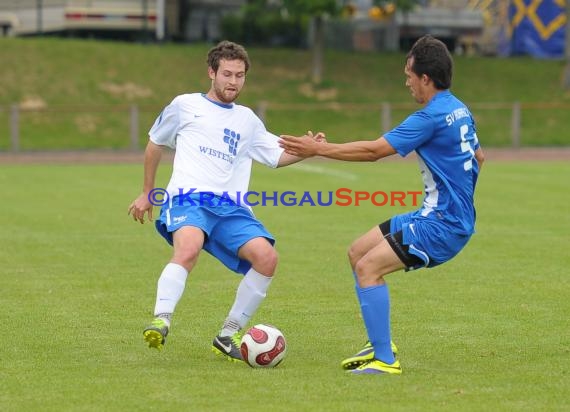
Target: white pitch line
324,171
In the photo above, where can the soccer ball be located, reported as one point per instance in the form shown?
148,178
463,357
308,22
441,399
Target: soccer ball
263,346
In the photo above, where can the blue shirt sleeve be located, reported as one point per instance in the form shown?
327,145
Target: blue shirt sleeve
411,133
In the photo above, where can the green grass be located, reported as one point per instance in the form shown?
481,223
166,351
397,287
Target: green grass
86,88
486,331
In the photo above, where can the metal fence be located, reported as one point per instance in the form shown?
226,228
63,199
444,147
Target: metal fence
125,126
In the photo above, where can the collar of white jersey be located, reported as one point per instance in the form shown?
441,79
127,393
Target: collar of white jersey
223,105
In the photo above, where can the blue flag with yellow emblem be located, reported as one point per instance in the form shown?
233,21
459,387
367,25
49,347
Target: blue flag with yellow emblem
536,28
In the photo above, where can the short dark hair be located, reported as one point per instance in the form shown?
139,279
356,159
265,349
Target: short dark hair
227,50
432,58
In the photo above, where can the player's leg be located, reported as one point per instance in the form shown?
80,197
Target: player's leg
254,285
374,300
357,250
390,255
187,243
249,295
363,244
371,258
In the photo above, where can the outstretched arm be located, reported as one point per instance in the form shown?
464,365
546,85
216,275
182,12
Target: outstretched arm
358,151
142,205
287,159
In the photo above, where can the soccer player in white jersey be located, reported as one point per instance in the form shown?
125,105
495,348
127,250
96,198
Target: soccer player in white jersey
216,141
443,136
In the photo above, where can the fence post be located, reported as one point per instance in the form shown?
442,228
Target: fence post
15,128
262,110
516,125
386,117
134,127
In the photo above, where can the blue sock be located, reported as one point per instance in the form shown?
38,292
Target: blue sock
375,306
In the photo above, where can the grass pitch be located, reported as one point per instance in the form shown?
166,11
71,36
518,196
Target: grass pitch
487,331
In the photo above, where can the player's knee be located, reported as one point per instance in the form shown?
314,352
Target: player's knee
364,269
359,268
353,255
186,256
265,262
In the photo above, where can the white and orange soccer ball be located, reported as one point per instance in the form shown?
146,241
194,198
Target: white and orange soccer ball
263,346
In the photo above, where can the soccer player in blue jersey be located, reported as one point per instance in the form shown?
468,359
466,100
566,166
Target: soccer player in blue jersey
443,136
216,140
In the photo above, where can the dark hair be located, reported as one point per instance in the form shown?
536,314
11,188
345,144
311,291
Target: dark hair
432,58
227,50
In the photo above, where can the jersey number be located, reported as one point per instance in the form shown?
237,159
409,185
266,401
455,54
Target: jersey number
466,147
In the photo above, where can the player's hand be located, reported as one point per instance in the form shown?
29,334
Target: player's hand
320,137
141,206
303,146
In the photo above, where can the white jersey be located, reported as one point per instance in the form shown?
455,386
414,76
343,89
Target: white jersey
215,144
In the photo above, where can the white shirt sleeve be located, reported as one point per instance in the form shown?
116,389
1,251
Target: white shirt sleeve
265,147
165,128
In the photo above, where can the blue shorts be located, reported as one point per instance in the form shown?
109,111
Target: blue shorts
428,238
226,228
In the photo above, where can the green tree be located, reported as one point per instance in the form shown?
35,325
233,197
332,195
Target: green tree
317,10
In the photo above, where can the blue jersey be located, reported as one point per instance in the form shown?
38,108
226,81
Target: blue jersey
444,138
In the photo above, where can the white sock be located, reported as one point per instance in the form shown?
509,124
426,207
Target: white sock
170,288
250,293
